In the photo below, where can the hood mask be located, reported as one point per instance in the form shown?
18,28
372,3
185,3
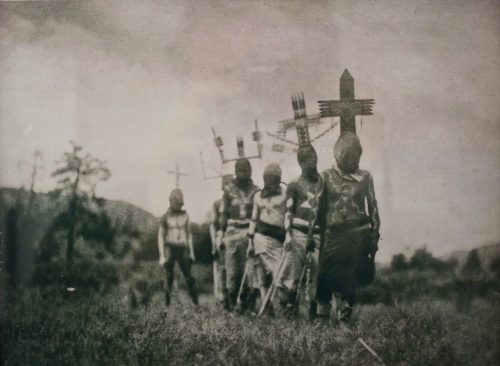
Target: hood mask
308,161
243,172
176,199
347,152
272,181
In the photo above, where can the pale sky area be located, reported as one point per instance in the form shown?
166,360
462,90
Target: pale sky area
140,83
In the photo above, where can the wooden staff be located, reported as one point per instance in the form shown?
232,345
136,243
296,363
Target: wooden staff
215,264
272,290
238,299
306,264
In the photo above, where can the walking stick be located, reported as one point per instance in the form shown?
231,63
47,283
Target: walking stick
308,257
306,265
215,264
272,289
216,279
238,299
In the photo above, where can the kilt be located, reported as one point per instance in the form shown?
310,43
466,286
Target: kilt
220,276
236,244
294,264
268,253
341,262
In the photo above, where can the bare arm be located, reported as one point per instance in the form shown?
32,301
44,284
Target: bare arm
322,208
290,209
224,212
189,238
373,214
372,206
255,216
214,224
213,234
216,214
162,231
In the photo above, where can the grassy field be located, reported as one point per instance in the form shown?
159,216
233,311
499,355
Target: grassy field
38,328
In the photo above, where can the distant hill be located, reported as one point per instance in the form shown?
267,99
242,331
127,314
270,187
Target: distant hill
131,223
125,214
122,214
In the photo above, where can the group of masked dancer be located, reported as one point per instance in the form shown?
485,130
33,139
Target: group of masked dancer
314,238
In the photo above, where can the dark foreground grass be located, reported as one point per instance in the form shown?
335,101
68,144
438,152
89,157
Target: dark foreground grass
103,330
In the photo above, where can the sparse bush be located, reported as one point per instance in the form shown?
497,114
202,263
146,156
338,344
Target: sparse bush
148,250
472,265
495,267
399,262
77,178
12,244
423,260
84,274
96,226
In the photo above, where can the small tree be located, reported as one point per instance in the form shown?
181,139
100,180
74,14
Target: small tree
421,259
424,260
37,158
12,244
472,265
77,179
495,267
399,262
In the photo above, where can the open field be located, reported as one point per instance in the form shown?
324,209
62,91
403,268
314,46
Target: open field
94,329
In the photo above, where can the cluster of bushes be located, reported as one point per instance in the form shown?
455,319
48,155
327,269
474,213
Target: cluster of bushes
426,276
103,254
421,260
83,274
75,238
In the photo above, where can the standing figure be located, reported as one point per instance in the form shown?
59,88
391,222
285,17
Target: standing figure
267,229
175,245
236,211
350,233
302,232
219,263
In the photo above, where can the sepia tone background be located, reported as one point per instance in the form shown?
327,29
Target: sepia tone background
139,84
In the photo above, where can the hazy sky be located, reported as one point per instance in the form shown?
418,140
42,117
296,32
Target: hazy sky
140,83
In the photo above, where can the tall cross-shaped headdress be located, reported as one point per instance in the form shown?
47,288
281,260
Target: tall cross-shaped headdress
256,136
301,123
300,116
177,174
347,107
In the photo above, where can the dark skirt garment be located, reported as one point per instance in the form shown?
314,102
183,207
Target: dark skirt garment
344,262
